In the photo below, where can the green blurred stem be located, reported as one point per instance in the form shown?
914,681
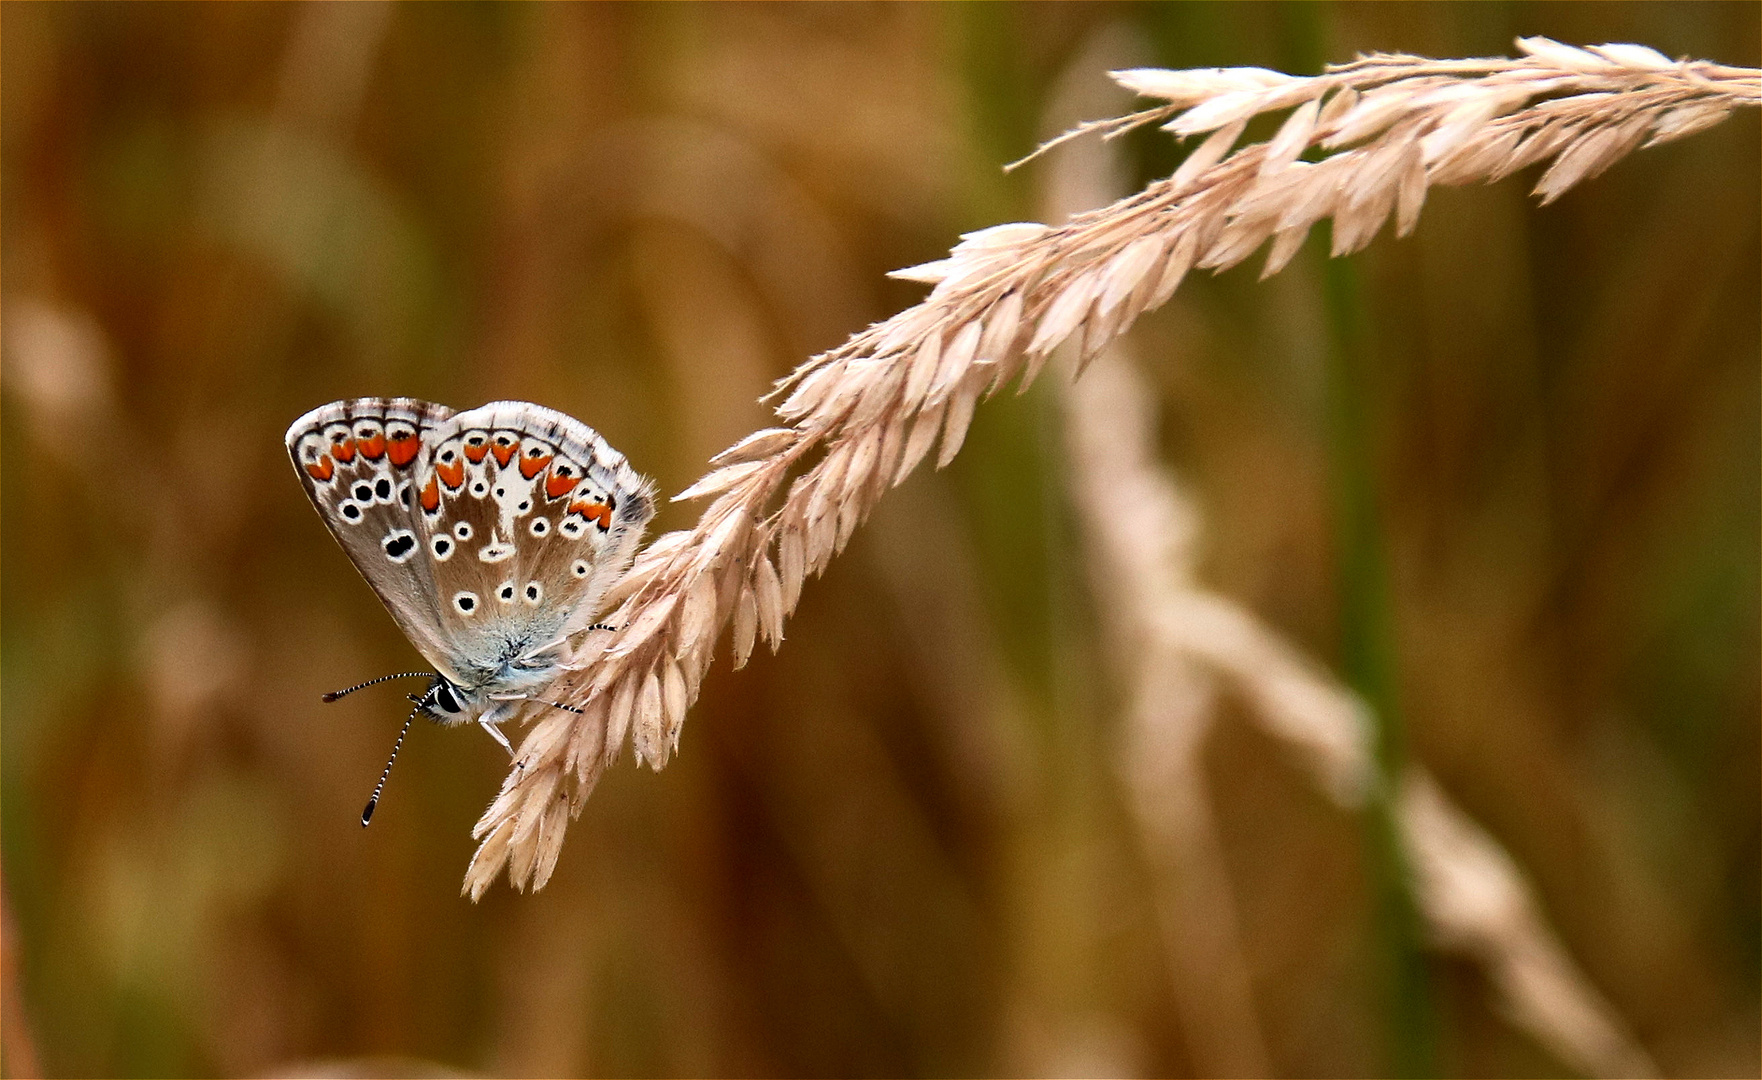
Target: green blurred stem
1367,639
1367,657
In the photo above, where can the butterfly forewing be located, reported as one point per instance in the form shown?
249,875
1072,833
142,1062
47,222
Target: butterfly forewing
361,462
515,520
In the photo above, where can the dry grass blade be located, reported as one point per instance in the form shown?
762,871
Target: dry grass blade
1139,528
922,371
1476,901
1172,637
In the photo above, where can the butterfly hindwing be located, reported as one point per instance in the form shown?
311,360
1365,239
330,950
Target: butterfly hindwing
544,515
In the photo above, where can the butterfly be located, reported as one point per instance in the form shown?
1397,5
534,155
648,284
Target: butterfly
490,535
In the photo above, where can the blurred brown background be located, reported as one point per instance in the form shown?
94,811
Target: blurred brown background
900,846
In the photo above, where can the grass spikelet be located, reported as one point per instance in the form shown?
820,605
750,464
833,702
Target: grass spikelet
1381,131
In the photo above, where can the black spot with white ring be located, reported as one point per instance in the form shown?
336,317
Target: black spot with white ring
350,510
465,602
534,593
539,526
580,568
382,489
363,493
442,548
506,592
462,530
399,544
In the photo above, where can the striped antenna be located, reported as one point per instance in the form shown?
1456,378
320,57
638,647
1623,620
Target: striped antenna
367,814
334,694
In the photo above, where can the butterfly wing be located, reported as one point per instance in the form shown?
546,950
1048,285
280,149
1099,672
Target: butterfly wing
531,516
490,535
362,463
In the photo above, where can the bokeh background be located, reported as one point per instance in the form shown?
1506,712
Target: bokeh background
900,846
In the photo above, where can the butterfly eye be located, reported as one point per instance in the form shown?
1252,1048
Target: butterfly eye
448,456
462,530
466,602
533,592
442,548
363,493
571,527
350,511
506,592
383,489
580,568
539,527
536,451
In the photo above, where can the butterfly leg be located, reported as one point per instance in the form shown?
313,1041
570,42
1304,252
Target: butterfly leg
541,701
496,734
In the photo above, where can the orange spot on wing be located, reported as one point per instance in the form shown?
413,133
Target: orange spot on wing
531,466
431,495
451,475
599,512
404,450
558,486
503,454
373,448
322,469
474,454
343,451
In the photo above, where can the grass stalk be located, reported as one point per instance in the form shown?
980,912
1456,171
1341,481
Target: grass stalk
1369,663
